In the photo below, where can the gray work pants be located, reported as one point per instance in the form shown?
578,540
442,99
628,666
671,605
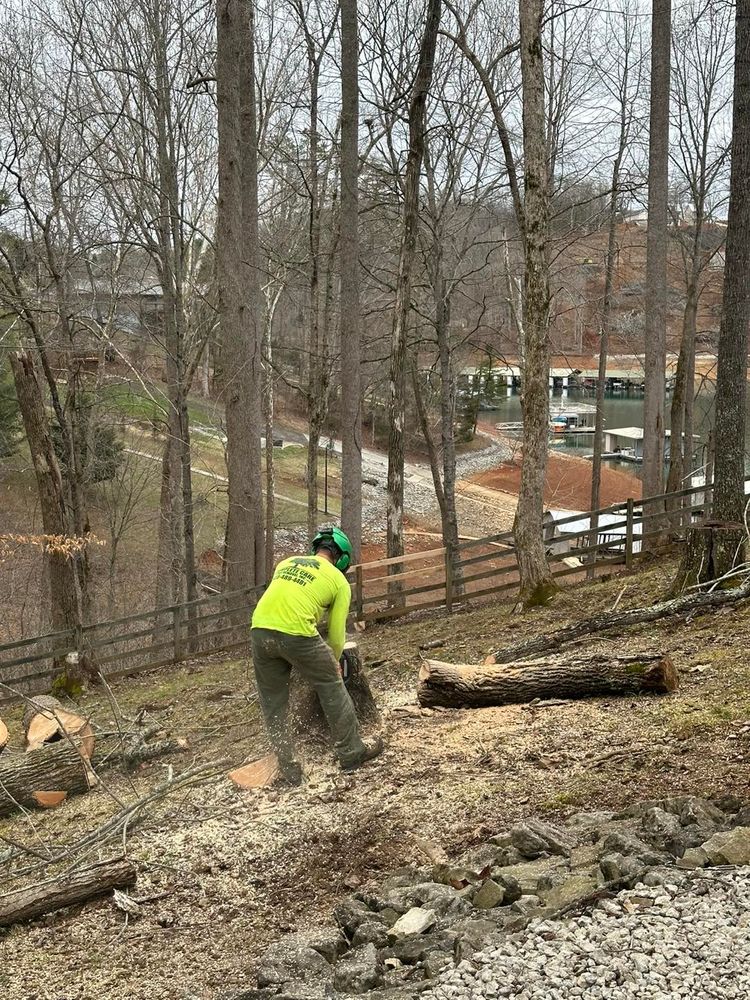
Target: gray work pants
275,654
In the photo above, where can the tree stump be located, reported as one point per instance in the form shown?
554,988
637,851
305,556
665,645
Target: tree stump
306,714
712,549
461,685
3,735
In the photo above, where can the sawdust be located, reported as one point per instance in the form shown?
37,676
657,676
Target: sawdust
231,870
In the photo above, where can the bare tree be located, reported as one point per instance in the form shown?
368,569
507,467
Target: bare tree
396,382
536,581
239,299
351,347
657,248
621,79
731,385
701,72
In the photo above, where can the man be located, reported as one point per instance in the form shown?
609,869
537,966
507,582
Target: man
285,636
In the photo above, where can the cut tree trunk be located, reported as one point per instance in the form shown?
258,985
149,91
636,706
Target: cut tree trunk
74,887
306,713
461,685
45,720
27,779
3,735
712,549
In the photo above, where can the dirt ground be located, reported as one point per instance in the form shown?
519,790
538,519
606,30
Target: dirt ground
222,872
567,483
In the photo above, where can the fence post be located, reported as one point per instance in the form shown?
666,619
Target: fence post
177,619
629,534
448,579
358,592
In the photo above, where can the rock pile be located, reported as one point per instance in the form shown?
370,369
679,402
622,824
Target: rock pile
423,925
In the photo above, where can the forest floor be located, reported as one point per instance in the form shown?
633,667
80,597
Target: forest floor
228,871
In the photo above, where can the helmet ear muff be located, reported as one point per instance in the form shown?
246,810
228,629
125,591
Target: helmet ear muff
343,562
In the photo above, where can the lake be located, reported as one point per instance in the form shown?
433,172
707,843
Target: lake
620,410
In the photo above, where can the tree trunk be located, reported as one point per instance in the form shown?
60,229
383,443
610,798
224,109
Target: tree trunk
52,767
657,241
268,415
410,224
237,279
711,550
535,578
306,713
46,720
460,685
351,345
65,609
3,735
74,887
731,382
680,446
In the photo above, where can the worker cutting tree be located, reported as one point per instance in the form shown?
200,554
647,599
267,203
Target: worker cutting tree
285,637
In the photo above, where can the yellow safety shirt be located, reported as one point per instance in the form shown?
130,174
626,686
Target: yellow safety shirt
302,589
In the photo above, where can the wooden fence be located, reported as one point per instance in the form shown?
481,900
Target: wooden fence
381,590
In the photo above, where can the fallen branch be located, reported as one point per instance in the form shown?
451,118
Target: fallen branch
460,685
73,887
689,605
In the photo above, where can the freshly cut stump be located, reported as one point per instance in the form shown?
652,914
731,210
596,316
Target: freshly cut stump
3,735
50,769
258,774
76,886
306,713
461,685
45,720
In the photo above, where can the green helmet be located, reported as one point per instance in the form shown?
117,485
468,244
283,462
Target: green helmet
335,541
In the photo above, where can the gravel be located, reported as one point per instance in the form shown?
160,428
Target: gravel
687,940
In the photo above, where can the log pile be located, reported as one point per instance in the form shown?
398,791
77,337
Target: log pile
460,685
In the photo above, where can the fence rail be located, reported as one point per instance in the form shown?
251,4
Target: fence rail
381,591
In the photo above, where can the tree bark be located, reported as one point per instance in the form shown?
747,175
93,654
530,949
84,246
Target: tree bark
237,278
396,381
351,346
731,382
535,578
711,550
657,242
461,685
53,767
70,889
65,609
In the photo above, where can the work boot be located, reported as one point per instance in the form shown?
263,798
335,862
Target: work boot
290,773
373,748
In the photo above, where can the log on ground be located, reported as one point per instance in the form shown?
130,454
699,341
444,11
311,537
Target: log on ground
74,887
26,779
3,735
306,713
461,685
